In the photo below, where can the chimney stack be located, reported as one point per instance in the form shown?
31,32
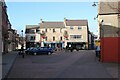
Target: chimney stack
41,20
65,20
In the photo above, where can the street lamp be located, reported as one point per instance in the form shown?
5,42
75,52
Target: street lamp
95,4
22,44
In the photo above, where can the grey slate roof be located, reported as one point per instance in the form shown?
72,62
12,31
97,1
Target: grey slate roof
32,26
52,25
76,22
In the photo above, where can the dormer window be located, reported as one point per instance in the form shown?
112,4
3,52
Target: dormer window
71,27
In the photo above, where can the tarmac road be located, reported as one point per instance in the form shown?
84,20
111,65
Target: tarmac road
76,64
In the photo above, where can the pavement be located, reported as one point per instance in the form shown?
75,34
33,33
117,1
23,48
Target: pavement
8,60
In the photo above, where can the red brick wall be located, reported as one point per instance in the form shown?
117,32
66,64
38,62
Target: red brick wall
110,49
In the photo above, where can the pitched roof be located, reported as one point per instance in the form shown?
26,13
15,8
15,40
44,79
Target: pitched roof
52,25
76,22
32,26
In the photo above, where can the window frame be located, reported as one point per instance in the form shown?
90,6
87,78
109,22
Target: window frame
53,30
71,27
79,27
46,30
32,37
61,38
53,38
75,36
46,38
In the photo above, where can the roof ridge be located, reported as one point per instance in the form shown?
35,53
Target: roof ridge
52,21
76,19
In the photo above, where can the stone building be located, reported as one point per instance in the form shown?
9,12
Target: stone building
60,33
109,26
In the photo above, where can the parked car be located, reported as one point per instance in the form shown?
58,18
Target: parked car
71,48
29,50
41,50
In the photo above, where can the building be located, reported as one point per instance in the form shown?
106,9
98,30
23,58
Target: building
14,40
18,42
9,39
0,27
77,33
32,36
109,25
58,34
92,41
52,34
5,22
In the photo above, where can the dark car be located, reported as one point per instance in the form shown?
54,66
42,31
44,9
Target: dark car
29,50
41,50
71,48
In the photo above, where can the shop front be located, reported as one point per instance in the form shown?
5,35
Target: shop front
54,45
77,45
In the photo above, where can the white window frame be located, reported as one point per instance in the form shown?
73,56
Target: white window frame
75,37
71,27
79,27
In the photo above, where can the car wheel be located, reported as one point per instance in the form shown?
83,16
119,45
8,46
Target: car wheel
35,53
49,53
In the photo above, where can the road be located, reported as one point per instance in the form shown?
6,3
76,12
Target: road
76,64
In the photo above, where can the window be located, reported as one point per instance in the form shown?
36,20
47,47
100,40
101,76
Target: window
45,30
61,38
75,36
30,31
79,28
32,38
71,27
60,29
26,38
46,38
37,31
71,36
78,36
53,38
53,30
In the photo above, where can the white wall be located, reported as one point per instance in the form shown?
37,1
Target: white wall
37,37
75,31
57,34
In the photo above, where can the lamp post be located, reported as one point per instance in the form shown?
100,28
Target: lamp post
95,4
22,45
